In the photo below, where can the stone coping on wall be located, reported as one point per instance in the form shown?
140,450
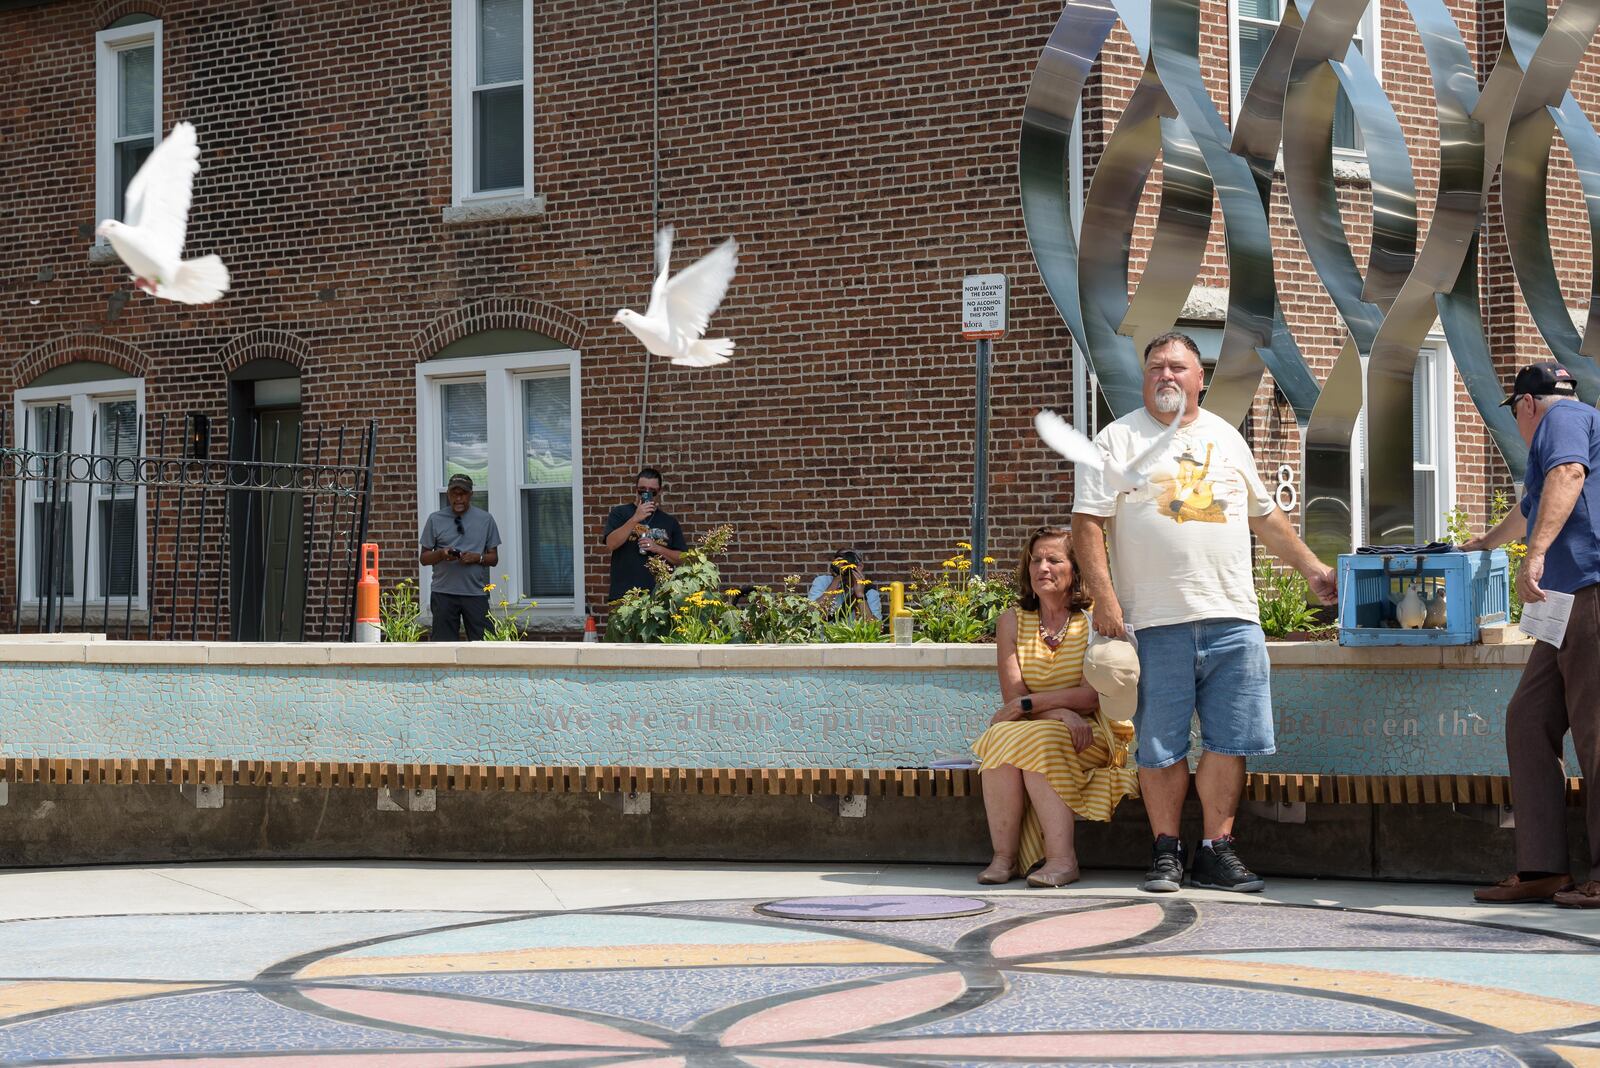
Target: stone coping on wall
97,649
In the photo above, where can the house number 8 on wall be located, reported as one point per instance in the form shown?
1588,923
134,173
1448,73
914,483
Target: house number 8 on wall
1287,495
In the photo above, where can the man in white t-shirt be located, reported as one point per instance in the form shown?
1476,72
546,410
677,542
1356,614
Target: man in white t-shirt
1181,576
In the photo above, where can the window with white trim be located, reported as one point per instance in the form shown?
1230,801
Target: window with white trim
128,91
511,423
1251,24
493,99
1432,445
100,529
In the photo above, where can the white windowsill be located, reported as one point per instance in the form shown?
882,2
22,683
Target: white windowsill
1349,168
476,211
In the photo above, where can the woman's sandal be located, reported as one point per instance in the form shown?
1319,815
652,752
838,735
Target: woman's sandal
1047,877
1000,870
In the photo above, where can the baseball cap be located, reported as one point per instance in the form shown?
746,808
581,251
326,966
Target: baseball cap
1540,380
1112,668
460,481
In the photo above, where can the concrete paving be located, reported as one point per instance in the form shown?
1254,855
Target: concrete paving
670,964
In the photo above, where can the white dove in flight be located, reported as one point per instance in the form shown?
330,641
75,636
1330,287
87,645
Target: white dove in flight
681,307
150,239
1065,439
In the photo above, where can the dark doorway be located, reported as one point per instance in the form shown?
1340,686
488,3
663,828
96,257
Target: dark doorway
268,588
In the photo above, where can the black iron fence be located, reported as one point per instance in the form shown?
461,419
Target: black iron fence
259,546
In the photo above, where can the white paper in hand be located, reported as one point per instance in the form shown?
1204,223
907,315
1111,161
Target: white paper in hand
1546,620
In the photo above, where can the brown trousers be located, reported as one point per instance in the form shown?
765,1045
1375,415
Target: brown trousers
1559,692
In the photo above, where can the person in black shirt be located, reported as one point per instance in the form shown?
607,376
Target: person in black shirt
635,532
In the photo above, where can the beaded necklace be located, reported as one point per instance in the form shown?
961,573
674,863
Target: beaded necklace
1053,638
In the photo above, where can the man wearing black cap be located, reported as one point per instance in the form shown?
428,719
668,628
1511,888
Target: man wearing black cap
461,543
1560,688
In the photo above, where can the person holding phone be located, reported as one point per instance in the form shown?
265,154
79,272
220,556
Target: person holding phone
844,591
635,532
461,543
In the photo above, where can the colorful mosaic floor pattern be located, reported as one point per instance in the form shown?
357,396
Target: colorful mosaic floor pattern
1028,981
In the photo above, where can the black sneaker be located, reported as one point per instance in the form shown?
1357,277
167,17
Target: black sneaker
1219,868
1166,867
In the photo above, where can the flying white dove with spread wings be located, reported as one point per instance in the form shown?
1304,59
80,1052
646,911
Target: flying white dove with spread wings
680,307
150,239
1065,439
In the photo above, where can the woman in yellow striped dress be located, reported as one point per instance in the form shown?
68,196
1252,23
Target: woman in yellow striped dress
1048,751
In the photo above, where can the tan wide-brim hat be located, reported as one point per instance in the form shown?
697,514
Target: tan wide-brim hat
1111,666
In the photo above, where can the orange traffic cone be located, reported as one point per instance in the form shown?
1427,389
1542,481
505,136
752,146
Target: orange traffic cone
590,632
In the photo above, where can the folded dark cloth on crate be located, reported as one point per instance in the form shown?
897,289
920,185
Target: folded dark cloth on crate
1406,550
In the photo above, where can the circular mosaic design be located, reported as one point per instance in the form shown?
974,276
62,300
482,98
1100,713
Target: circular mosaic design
1034,981
873,907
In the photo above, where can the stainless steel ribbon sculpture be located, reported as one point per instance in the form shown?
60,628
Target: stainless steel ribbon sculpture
1389,310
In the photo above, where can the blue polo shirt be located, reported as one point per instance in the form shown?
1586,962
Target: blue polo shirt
1569,433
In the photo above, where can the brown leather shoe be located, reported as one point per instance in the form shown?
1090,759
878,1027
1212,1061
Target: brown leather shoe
1000,870
1584,896
1512,889
1053,877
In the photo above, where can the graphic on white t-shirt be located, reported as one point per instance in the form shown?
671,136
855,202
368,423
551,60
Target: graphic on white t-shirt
1179,547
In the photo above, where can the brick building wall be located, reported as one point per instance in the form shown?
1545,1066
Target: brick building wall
864,154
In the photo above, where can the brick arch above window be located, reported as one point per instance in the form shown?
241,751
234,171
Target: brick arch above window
500,313
109,11
265,344
70,348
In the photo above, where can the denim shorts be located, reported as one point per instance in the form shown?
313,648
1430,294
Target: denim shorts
1216,667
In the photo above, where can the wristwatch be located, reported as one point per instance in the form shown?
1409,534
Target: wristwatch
1027,704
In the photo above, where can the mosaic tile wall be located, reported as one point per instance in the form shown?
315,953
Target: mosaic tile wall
1350,721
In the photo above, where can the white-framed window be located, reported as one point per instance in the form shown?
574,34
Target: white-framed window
100,544
493,100
1251,24
512,423
1433,446
128,94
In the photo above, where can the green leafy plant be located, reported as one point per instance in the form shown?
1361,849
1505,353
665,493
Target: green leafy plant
654,615
954,605
703,620
1285,604
864,628
781,616
1457,525
399,614
505,625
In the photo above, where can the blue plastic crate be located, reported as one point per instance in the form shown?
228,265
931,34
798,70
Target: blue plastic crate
1477,591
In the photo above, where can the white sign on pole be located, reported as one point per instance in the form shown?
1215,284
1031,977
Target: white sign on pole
983,307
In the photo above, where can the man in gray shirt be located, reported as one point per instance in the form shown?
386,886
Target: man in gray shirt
461,543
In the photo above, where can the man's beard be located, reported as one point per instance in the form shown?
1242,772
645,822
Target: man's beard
1168,399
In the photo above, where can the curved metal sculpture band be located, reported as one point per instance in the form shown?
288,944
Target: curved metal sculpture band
1391,308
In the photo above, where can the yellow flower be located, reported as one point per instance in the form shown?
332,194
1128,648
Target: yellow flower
911,585
988,559
730,593
949,563
489,588
967,545
505,604
963,564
